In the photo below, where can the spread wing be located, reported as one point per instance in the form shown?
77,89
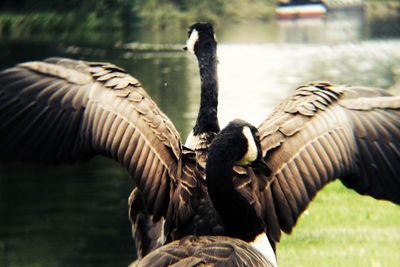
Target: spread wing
63,110
205,251
321,133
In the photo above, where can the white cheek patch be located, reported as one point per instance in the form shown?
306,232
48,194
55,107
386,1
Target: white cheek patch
252,151
194,37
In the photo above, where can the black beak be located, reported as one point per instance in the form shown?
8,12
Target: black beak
185,48
262,166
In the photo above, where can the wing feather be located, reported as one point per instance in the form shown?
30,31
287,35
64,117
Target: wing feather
307,171
153,191
107,120
63,110
272,221
303,199
290,189
117,131
323,132
285,213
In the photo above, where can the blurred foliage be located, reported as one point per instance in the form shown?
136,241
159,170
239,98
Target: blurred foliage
65,21
106,22
162,14
88,20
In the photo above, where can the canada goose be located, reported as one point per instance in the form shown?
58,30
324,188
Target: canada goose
238,143
68,101
64,111
347,132
148,233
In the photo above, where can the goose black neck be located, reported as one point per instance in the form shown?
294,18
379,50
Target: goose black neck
207,120
239,217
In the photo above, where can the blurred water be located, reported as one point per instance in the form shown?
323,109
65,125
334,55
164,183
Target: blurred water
77,215
254,78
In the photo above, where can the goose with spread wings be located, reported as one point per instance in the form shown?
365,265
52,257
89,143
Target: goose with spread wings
65,110
51,102
338,131
148,232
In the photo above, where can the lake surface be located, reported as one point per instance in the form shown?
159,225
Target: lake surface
76,215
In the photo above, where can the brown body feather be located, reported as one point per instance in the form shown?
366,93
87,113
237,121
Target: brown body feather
206,251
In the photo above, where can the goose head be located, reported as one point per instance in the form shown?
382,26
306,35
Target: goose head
241,141
201,38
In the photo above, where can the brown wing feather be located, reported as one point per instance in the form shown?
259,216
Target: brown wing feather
324,132
377,136
41,110
65,110
146,232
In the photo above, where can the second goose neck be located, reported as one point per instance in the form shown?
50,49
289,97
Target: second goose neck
207,119
239,217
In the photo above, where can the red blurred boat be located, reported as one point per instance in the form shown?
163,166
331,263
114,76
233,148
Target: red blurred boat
288,9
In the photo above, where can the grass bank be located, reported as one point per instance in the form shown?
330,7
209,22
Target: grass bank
342,228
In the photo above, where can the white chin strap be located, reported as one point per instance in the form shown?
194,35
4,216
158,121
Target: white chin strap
194,37
252,151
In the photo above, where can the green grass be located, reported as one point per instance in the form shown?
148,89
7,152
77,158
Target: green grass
342,228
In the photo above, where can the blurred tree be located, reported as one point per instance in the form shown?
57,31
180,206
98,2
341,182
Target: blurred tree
120,17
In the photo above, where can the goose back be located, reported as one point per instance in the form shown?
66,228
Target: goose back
205,251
